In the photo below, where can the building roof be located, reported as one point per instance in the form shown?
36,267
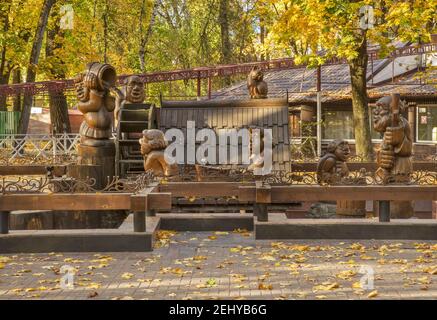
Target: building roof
384,76
216,115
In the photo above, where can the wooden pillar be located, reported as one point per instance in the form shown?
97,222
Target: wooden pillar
209,87
319,111
384,211
263,212
139,221
151,213
262,199
412,120
199,87
4,222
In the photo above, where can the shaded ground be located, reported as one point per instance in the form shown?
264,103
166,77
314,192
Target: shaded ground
221,265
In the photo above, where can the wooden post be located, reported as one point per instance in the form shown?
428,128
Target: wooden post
151,213
139,221
319,111
199,92
263,212
4,222
262,199
384,211
209,87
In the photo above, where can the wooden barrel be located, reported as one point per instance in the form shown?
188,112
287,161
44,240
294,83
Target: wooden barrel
351,209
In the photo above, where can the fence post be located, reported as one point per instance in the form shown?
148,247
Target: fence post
384,211
139,221
4,222
262,199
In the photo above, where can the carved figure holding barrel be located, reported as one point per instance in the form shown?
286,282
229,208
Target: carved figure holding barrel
96,103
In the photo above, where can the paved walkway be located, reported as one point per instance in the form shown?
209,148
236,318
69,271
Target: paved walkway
221,265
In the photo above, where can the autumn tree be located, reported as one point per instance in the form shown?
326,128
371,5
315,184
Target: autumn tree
315,30
33,63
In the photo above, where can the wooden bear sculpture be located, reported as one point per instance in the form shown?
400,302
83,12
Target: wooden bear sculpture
256,85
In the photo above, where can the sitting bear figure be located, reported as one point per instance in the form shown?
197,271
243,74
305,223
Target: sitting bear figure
256,85
153,145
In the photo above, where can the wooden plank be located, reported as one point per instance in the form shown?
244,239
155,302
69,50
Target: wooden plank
219,113
263,193
286,194
270,117
198,189
260,120
151,201
59,170
73,201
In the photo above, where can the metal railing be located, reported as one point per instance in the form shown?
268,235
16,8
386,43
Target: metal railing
37,148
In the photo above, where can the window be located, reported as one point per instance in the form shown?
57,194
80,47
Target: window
426,120
338,123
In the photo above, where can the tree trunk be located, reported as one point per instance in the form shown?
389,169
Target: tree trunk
5,69
33,62
16,78
145,38
105,32
261,35
224,31
57,100
358,68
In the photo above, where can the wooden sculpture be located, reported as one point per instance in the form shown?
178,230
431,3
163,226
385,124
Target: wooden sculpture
96,103
153,145
257,86
394,155
332,167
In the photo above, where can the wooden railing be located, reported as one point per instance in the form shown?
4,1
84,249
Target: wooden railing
262,195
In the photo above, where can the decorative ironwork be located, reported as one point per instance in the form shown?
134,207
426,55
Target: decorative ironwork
71,185
360,177
213,173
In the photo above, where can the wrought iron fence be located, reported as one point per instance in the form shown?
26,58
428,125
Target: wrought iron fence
19,149
71,185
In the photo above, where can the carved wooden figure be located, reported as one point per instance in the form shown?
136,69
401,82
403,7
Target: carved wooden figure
153,145
257,86
332,166
96,103
332,169
132,92
394,155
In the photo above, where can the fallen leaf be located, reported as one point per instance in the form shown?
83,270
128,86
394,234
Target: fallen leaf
127,275
372,294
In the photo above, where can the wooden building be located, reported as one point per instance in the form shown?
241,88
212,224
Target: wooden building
414,77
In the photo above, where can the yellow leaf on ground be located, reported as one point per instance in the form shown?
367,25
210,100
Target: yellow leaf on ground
372,294
356,285
263,286
127,275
